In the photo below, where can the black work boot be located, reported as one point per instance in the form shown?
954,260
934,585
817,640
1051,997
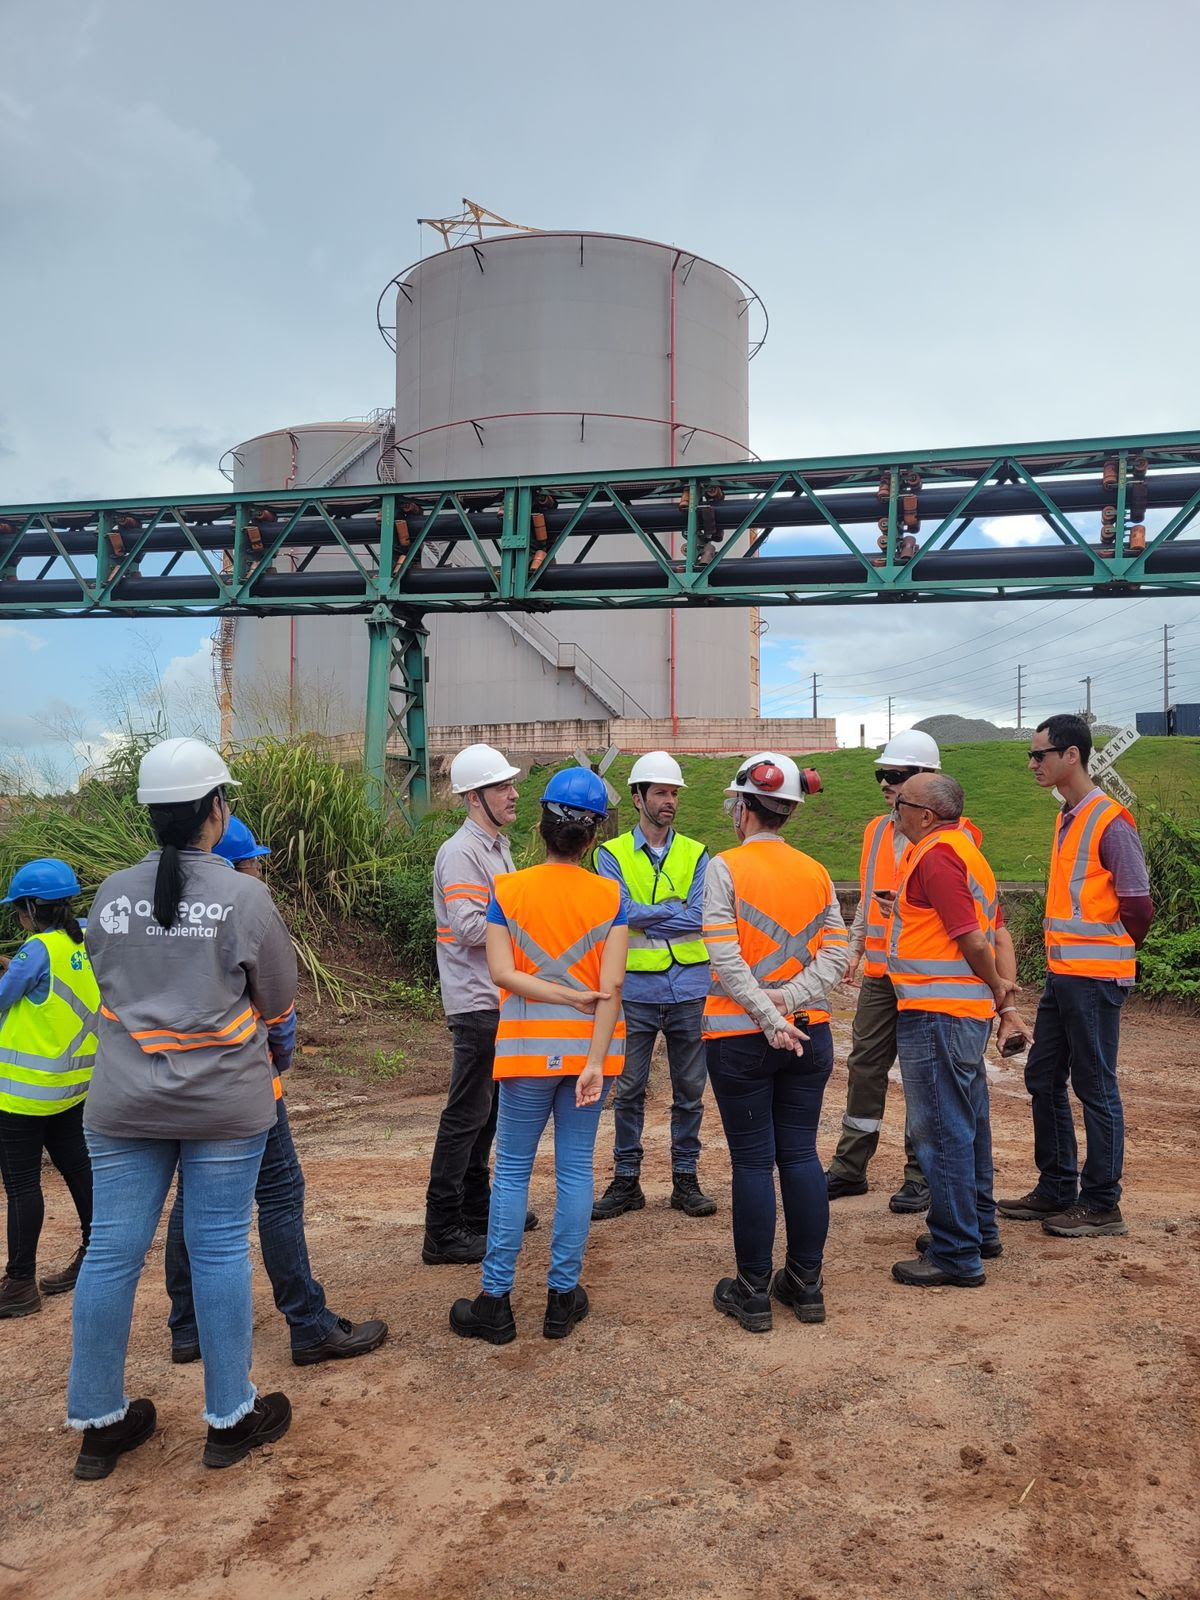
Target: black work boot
488,1316
688,1197
623,1194
62,1282
839,1186
802,1289
564,1308
751,1305
19,1297
343,1342
477,1222
1031,1207
990,1251
453,1247
269,1420
910,1197
100,1447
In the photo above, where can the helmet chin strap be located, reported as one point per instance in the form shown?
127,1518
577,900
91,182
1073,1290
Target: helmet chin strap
481,796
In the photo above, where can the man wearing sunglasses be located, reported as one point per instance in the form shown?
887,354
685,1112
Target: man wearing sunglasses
873,1043
1098,912
951,963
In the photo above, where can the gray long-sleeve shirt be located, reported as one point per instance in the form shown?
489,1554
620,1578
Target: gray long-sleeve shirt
858,923
182,1039
464,871
806,989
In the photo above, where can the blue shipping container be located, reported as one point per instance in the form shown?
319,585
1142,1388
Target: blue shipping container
1185,720
1152,723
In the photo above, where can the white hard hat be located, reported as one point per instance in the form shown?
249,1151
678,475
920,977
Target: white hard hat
912,748
179,770
656,767
478,767
771,776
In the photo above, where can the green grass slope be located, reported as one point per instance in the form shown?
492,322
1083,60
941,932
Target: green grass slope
1002,797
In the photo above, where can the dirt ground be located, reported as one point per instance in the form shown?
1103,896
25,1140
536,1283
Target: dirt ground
1034,1438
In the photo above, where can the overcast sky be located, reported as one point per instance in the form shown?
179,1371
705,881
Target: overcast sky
971,223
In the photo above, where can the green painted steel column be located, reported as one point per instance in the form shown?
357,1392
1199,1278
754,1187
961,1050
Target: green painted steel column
381,632
396,704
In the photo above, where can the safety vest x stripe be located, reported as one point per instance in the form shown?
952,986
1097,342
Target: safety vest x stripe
557,969
80,1007
790,946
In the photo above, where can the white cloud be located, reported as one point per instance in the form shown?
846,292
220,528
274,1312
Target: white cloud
1013,531
11,634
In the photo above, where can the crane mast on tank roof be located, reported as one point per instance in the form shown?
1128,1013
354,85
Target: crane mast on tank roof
472,222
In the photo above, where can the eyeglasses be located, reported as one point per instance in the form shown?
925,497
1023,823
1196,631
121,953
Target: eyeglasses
895,775
913,806
1051,749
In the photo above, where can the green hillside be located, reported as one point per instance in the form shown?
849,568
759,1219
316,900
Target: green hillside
1002,798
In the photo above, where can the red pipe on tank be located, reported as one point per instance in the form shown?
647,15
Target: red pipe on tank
671,368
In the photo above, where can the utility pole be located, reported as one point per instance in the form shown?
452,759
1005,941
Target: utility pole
1088,709
814,679
889,716
1020,686
1166,669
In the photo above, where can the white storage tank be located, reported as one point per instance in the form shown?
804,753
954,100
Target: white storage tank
290,675
551,352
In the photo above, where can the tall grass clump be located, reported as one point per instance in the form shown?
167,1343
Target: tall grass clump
1170,958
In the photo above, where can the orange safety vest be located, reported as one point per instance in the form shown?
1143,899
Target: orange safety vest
558,919
927,969
1085,937
782,896
878,869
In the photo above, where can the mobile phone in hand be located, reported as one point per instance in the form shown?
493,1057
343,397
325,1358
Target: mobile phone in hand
1013,1045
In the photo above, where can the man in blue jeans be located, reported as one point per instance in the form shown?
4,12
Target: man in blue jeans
661,877
951,963
1098,912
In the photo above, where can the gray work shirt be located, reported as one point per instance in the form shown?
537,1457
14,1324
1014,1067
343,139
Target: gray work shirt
464,871
181,1048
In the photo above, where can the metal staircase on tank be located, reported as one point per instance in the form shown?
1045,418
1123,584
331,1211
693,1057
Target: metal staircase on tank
379,422
563,654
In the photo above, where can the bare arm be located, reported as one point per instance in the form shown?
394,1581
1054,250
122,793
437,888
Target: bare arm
504,975
1011,1020
977,953
607,1015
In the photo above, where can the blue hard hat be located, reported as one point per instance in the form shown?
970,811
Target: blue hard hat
577,789
45,879
237,843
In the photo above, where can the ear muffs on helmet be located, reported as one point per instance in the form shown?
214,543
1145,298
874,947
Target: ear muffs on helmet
764,775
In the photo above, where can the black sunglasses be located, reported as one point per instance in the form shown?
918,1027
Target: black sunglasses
1051,749
895,774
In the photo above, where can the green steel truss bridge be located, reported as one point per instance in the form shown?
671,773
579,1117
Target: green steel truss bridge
1115,517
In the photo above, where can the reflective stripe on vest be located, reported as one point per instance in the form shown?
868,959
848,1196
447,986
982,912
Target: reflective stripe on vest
543,912
1084,934
876,870
48,1048
644,880
927,969
781,896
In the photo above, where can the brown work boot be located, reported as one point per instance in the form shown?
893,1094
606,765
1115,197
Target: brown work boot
1031,1207
19,1297
62,1282
1082,1222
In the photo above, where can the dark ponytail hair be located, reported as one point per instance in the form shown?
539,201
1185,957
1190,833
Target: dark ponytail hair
54,916
175,828
568,837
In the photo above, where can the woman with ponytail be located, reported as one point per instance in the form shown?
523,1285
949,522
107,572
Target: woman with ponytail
48,1004
197,979
556,945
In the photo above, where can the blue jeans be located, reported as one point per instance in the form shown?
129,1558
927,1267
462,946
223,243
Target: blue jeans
130,1180
279,1195
679,1024
945,1088
526,1106
1077,1033
770,1104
